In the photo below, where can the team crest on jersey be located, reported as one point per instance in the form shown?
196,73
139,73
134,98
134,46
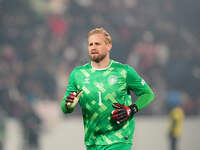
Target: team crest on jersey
112,80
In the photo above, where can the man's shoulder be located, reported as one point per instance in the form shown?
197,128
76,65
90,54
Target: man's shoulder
119,64
82,67
122,67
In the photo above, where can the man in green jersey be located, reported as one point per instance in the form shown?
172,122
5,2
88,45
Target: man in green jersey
107,107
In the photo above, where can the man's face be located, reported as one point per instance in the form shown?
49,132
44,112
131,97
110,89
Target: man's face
98,48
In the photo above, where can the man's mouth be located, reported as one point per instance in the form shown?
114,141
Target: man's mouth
94,53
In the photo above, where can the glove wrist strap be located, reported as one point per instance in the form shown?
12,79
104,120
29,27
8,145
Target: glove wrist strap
133,108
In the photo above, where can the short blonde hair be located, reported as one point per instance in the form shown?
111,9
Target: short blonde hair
101,30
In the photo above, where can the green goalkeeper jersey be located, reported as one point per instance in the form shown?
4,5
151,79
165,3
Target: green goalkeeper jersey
101,88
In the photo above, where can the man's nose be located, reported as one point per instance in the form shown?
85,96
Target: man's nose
93,47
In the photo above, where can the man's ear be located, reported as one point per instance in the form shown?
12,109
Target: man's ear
109,47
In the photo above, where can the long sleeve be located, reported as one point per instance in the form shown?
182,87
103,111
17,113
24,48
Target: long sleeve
140,88
70,88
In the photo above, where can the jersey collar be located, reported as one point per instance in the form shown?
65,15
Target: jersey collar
110,63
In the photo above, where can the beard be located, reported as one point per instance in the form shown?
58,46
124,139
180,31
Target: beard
97,57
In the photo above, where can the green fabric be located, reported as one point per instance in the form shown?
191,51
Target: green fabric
139,87
115,146
100,89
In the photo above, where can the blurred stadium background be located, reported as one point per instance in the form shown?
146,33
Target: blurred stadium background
41,41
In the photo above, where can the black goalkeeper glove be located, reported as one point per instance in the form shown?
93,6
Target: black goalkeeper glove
122,112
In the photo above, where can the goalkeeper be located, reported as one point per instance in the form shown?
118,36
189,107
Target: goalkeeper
102,87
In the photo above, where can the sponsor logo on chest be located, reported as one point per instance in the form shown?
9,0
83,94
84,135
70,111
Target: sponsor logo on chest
86,80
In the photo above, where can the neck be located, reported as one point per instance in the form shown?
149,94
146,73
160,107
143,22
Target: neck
102,64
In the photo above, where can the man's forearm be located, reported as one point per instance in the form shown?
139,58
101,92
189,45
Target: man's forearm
144,99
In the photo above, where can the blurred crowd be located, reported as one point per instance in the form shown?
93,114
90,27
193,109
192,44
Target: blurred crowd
42,41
